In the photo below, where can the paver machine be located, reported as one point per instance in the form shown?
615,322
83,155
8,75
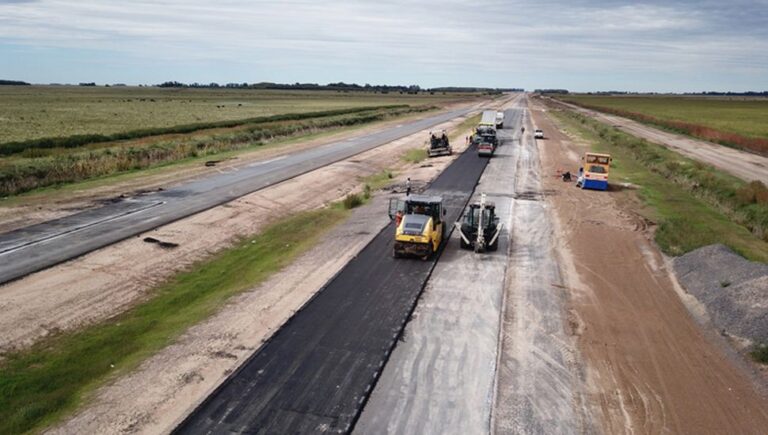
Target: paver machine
419,225
439,145
479,228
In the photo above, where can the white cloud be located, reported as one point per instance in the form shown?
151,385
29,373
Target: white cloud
458,40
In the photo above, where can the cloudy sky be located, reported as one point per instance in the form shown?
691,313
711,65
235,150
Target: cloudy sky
576,44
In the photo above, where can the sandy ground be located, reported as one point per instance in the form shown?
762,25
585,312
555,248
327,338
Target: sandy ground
105,282
650,368
166,387
742,164
38,208
440,377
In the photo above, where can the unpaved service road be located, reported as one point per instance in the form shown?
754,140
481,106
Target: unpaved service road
650,369
34,248
744,165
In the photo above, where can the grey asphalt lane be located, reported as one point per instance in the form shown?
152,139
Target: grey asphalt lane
37,247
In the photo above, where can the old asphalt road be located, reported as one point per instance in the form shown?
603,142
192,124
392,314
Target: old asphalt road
37,247
316,372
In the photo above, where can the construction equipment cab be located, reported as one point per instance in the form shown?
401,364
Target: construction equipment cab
594,174
438,145
479,228
419,225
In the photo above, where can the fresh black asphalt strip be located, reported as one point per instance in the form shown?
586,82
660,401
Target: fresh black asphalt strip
317,371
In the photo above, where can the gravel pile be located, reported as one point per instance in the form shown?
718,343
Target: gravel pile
733,290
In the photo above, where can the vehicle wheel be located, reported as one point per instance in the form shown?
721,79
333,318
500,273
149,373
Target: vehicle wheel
396,254
429,253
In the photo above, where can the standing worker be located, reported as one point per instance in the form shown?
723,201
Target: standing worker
408,187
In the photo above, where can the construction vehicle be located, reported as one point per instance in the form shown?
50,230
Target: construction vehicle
485,148
594,173
419,225
499,120
479,228
488,119
439,145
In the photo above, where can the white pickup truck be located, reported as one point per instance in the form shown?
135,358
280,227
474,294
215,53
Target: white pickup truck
538,133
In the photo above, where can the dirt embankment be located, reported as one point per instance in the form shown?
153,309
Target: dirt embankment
650,368
105,282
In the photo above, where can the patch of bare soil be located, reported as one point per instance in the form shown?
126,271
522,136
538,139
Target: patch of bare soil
650,368
105,282
165,388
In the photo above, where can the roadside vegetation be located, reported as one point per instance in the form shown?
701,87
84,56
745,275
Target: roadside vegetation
33,112
740,123
37,168
40,385
694,204
416,155
760,353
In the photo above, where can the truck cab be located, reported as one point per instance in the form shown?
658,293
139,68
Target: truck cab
419,226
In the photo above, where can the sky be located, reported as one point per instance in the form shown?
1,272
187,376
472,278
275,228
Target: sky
580,45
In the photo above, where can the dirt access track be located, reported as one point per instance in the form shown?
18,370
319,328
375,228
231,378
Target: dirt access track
649,366
742,164
105,282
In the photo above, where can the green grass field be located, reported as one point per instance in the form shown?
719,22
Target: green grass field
737,122
32,112
743,116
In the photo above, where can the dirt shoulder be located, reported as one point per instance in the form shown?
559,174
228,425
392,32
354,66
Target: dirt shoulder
742,164
650,368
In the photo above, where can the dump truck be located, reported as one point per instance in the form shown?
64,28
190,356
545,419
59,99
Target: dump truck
488,119
479,228
439,145
418,225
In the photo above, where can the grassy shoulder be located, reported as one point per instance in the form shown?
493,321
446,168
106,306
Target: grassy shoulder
740,123
694,204
41,385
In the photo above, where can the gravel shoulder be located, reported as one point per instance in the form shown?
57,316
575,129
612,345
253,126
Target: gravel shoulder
650,367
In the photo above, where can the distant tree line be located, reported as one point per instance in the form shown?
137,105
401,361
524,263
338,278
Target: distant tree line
13,83
551,91
340,86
